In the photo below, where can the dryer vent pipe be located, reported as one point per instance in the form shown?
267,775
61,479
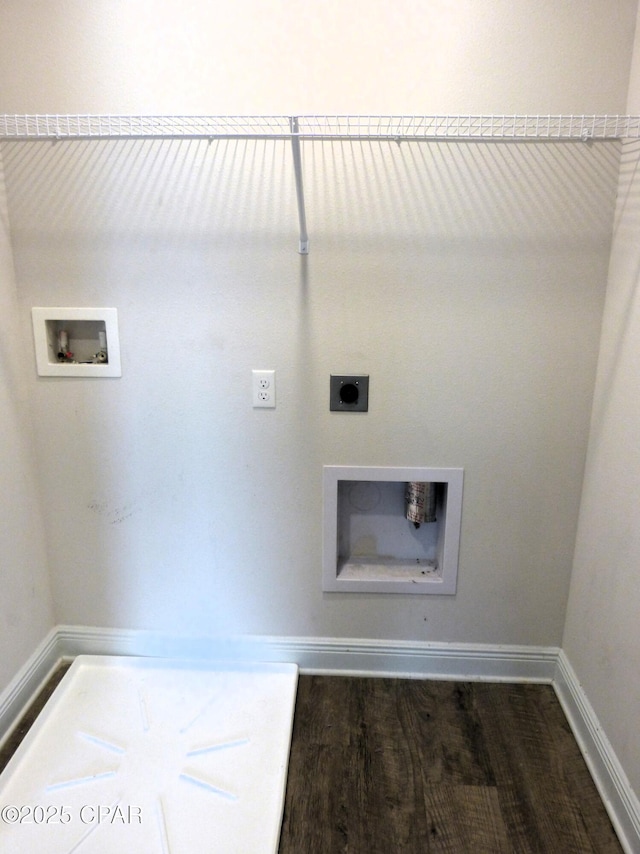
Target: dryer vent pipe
420,502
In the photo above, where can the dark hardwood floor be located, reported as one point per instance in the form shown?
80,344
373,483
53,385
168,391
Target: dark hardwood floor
386,765
396,766
24,724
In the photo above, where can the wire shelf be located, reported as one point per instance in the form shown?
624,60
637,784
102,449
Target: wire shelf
143,127
416,128
471,127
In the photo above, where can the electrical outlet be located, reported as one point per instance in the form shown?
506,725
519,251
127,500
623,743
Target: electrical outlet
264,389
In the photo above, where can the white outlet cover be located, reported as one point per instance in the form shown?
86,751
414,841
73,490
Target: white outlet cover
263,389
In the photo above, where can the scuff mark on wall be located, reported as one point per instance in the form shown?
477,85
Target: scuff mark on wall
114,512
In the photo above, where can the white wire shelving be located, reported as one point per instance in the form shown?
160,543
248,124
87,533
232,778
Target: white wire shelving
338,127
297,129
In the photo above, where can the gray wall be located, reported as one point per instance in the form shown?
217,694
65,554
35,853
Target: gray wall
467,280
26,611
602,638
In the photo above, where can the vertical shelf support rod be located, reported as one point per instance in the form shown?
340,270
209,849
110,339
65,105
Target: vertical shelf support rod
297,166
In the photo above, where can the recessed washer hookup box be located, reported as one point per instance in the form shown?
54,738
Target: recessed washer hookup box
76,342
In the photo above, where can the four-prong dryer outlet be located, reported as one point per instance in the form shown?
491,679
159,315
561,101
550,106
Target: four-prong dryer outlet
349,393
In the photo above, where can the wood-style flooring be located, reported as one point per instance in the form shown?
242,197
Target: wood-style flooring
380,766
396,766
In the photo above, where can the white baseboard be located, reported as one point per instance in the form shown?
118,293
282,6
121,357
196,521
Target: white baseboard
353,656
313,655
24,686
615,790
359,657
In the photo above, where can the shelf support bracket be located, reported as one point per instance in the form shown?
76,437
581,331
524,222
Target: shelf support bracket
303,248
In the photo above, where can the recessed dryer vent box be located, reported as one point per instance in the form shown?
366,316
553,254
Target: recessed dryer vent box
371,547
76,342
